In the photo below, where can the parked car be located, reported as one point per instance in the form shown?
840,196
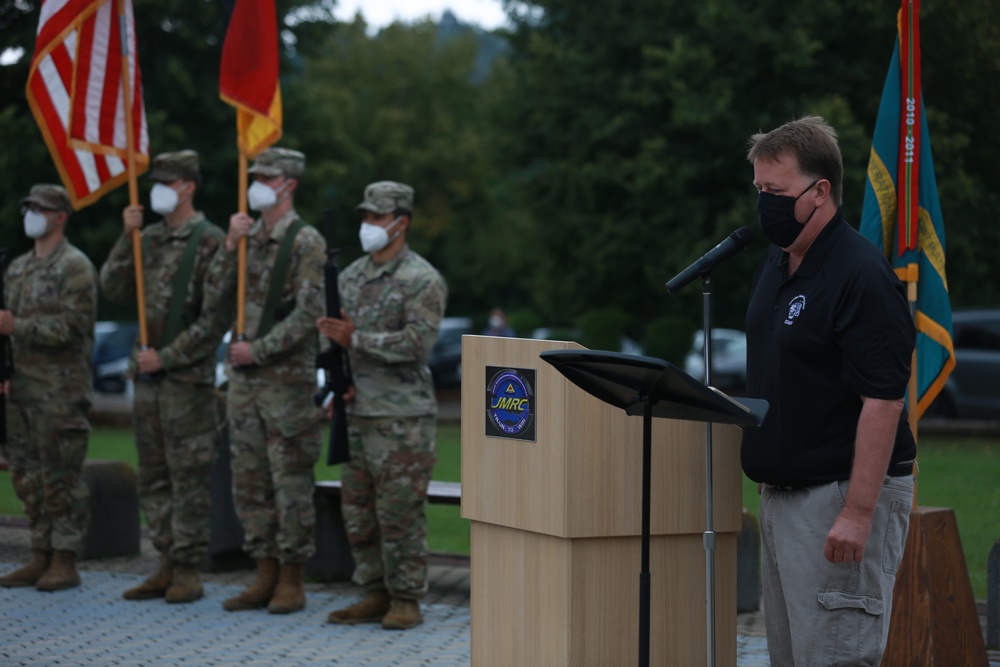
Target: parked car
729,359
973,388
113,343
445,360
625,344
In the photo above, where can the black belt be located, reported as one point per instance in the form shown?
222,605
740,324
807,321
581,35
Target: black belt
900,469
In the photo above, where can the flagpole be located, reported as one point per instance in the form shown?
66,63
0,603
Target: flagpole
133,185
241,266
912,278
908,175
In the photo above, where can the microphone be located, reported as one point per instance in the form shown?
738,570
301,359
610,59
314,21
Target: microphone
730,245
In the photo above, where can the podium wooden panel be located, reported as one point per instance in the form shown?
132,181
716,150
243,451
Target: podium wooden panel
556,526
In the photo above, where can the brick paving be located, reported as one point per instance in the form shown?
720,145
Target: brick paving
93,626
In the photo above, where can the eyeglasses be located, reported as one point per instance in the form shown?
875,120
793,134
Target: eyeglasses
35,208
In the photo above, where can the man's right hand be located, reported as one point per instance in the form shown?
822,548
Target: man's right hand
239,226
132,217
7,321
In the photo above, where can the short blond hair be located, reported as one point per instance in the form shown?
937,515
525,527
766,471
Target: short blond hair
813,143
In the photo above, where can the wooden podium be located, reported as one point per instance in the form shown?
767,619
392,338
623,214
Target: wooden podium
556,523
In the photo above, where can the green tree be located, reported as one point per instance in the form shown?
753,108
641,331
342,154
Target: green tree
405,105
408,103
627,125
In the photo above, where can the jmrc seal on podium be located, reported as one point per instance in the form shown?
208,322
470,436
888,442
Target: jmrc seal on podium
510,403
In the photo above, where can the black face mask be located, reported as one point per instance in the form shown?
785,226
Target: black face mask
776,216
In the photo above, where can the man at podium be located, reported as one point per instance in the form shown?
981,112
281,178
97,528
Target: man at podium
829,342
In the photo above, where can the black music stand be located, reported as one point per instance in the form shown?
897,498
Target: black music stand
652,388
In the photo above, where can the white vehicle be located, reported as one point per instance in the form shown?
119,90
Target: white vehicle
729,359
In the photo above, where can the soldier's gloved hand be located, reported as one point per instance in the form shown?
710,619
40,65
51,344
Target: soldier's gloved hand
239,226
132,218
148,361
6,322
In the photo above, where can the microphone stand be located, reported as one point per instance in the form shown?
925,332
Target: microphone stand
732,244
709,534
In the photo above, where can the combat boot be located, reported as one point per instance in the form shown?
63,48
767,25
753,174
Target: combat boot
156,585
371,609
288,596
186,585
28,575
403,615
61,574
259,593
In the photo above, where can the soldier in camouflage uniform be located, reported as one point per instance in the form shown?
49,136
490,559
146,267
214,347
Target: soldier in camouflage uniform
51,296
185,270
393,301
274,426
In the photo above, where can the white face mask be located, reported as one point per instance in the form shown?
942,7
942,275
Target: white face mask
35,224
496,321
261,197
163,199
374,238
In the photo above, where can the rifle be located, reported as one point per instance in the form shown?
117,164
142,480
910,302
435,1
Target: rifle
6,356
334,362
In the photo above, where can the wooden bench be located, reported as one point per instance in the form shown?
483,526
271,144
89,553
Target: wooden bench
113,503
332,560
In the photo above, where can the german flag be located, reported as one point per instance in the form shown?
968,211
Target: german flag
248,77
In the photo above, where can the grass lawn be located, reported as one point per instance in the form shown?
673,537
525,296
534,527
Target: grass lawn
447,531
955,472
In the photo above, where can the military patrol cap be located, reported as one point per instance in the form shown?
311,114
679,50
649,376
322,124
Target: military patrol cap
386,197
278,161
179,165
49,196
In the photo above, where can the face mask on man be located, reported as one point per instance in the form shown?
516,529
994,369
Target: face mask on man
261,196
776,216
163,199
374,238
35,224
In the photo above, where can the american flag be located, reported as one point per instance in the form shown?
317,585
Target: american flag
75,90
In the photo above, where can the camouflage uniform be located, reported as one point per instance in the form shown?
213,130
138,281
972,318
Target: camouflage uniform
54,301
396,308
274,427
175,416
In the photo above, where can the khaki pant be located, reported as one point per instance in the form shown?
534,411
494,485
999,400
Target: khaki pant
817,612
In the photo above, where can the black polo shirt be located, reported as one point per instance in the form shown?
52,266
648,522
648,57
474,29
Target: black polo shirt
838,329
